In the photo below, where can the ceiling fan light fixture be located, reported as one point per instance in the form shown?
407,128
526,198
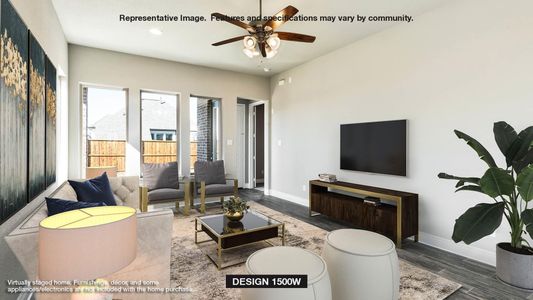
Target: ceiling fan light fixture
270,52
251,53
262,38
273,41
249,42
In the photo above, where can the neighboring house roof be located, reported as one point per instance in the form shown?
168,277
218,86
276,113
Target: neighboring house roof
155,115
110,127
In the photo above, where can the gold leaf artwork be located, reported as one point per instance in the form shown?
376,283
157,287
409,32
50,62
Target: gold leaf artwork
13,68
36,88
51,104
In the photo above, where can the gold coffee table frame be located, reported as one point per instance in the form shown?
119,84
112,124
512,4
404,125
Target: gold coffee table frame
219,238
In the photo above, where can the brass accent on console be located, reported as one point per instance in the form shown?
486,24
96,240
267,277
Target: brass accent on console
398,221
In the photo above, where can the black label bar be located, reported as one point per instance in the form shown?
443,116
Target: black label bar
266,281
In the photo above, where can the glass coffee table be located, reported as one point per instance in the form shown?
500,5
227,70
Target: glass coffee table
252,228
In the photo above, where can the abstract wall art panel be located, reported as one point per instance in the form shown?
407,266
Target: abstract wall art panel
50,82
13,111
37,111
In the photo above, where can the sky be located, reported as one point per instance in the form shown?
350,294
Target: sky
102,102
109,101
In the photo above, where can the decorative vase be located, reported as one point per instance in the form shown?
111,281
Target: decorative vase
514,268
233,227
234,216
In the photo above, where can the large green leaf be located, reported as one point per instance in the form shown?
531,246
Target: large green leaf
461,180
497,182
478,222
518,166
520,147
505,135
472,188
524,181
480,150
527,218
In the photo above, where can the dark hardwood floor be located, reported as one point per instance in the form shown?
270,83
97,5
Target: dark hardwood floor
478,280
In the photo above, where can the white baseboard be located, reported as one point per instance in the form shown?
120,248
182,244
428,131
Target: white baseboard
475,253
289,197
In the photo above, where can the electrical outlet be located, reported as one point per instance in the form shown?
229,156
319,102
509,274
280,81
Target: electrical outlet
304,187
279,143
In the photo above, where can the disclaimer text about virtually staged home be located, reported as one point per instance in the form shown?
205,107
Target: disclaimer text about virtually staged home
348,18
91,286
147,286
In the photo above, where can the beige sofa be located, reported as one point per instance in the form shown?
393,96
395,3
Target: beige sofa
154,234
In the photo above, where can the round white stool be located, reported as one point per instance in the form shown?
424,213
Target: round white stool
362,265
289,260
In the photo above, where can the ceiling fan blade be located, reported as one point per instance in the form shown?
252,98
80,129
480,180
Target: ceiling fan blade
281,17
235,39
233,21
262,47
295,37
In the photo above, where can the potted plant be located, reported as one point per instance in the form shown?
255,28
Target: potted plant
234,208
511,190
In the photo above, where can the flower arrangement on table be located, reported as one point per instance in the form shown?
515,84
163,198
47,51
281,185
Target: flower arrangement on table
234,208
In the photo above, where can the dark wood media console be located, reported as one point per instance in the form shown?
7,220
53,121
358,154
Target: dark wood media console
396,221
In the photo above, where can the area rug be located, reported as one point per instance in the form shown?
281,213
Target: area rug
191,269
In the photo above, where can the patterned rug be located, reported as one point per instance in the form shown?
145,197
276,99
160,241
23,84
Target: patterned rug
190,268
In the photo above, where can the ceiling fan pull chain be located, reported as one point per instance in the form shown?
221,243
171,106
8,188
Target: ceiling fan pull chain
260,10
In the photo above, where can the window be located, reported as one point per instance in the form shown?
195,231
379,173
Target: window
159,127
163,135
205,133
104,130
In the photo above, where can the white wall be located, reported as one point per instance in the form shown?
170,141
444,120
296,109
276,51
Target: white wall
462,66
102,67
41,19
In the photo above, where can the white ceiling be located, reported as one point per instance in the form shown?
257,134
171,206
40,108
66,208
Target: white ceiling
96,23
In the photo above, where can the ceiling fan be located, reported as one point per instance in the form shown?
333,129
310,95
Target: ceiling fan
262,37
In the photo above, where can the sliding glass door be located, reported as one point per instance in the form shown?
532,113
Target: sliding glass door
205,132
159,127
104,130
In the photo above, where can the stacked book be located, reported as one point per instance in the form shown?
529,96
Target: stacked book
327,177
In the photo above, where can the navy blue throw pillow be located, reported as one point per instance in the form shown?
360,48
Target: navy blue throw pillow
56,206
94,190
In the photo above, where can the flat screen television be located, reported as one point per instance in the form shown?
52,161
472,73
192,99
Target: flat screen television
375,147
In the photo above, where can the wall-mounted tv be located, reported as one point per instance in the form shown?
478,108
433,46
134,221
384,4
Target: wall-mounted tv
375,147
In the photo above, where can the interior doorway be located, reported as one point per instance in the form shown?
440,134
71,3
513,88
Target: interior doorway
258,135
251,143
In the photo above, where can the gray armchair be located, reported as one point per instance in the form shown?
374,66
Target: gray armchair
210,181
161,184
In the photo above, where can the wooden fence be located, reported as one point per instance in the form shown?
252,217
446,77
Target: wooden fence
156,152
194,153
104,153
